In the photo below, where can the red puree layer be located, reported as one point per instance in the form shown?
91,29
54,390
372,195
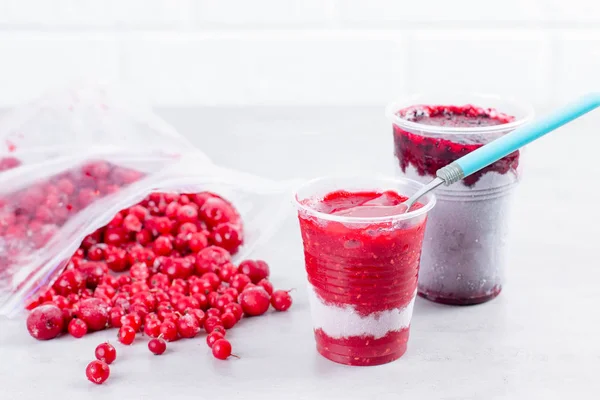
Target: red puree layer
370,266
428,154
363,350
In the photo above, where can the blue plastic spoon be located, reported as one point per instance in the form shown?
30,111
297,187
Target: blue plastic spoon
503,146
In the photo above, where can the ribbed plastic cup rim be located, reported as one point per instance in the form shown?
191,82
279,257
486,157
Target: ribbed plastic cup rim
410,101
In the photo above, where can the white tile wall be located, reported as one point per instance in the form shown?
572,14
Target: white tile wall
202,52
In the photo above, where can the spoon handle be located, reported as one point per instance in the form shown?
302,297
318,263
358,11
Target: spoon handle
501,147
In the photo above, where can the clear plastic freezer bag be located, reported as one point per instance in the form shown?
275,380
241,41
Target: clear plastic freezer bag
71,160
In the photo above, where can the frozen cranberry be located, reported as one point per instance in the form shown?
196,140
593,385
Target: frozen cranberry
96,252
141,254
139,272
143,237
105,292
235,309
45,322
152,327
265,284
213,312
197,241
162,246
106,352
110,281
139,309
213,337
227,271
202,300
187,227
68,282
216,210
212,299
239,281
93,272
126,335
124,280
172,209
145,298
65,186
168,330
97,372
281,300
116,222
159,225
227,235
198,314
187,213
94,312
211,322
138,287
133,320
91,239
221,349
86,196
139,211
77,328
254,301
116,236
60,301
157,346
231,292
132,223
213,279
115,316
188,326
228,319
211,259
159,280
68,316
256,270
181,242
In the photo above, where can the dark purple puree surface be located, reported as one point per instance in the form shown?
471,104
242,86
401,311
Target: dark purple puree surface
430,153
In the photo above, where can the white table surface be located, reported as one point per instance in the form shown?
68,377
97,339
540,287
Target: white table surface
538,339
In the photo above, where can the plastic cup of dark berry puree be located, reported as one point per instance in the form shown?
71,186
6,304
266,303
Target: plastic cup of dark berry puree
362,262
464,251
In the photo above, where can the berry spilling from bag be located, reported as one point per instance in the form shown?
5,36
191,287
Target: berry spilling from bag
160,270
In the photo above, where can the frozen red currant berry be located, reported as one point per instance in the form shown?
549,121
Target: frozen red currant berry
45,322
97,372
94,312
211,259
281,300
268,286
213,337
228,236
168,330
216,210
187,213
221,349
157,346
106,352
126,335
77,328
256,270
254,301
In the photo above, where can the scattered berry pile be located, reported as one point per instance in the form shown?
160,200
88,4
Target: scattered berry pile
161,269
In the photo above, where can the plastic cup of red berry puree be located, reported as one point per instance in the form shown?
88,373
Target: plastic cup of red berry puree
464,251
362,262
